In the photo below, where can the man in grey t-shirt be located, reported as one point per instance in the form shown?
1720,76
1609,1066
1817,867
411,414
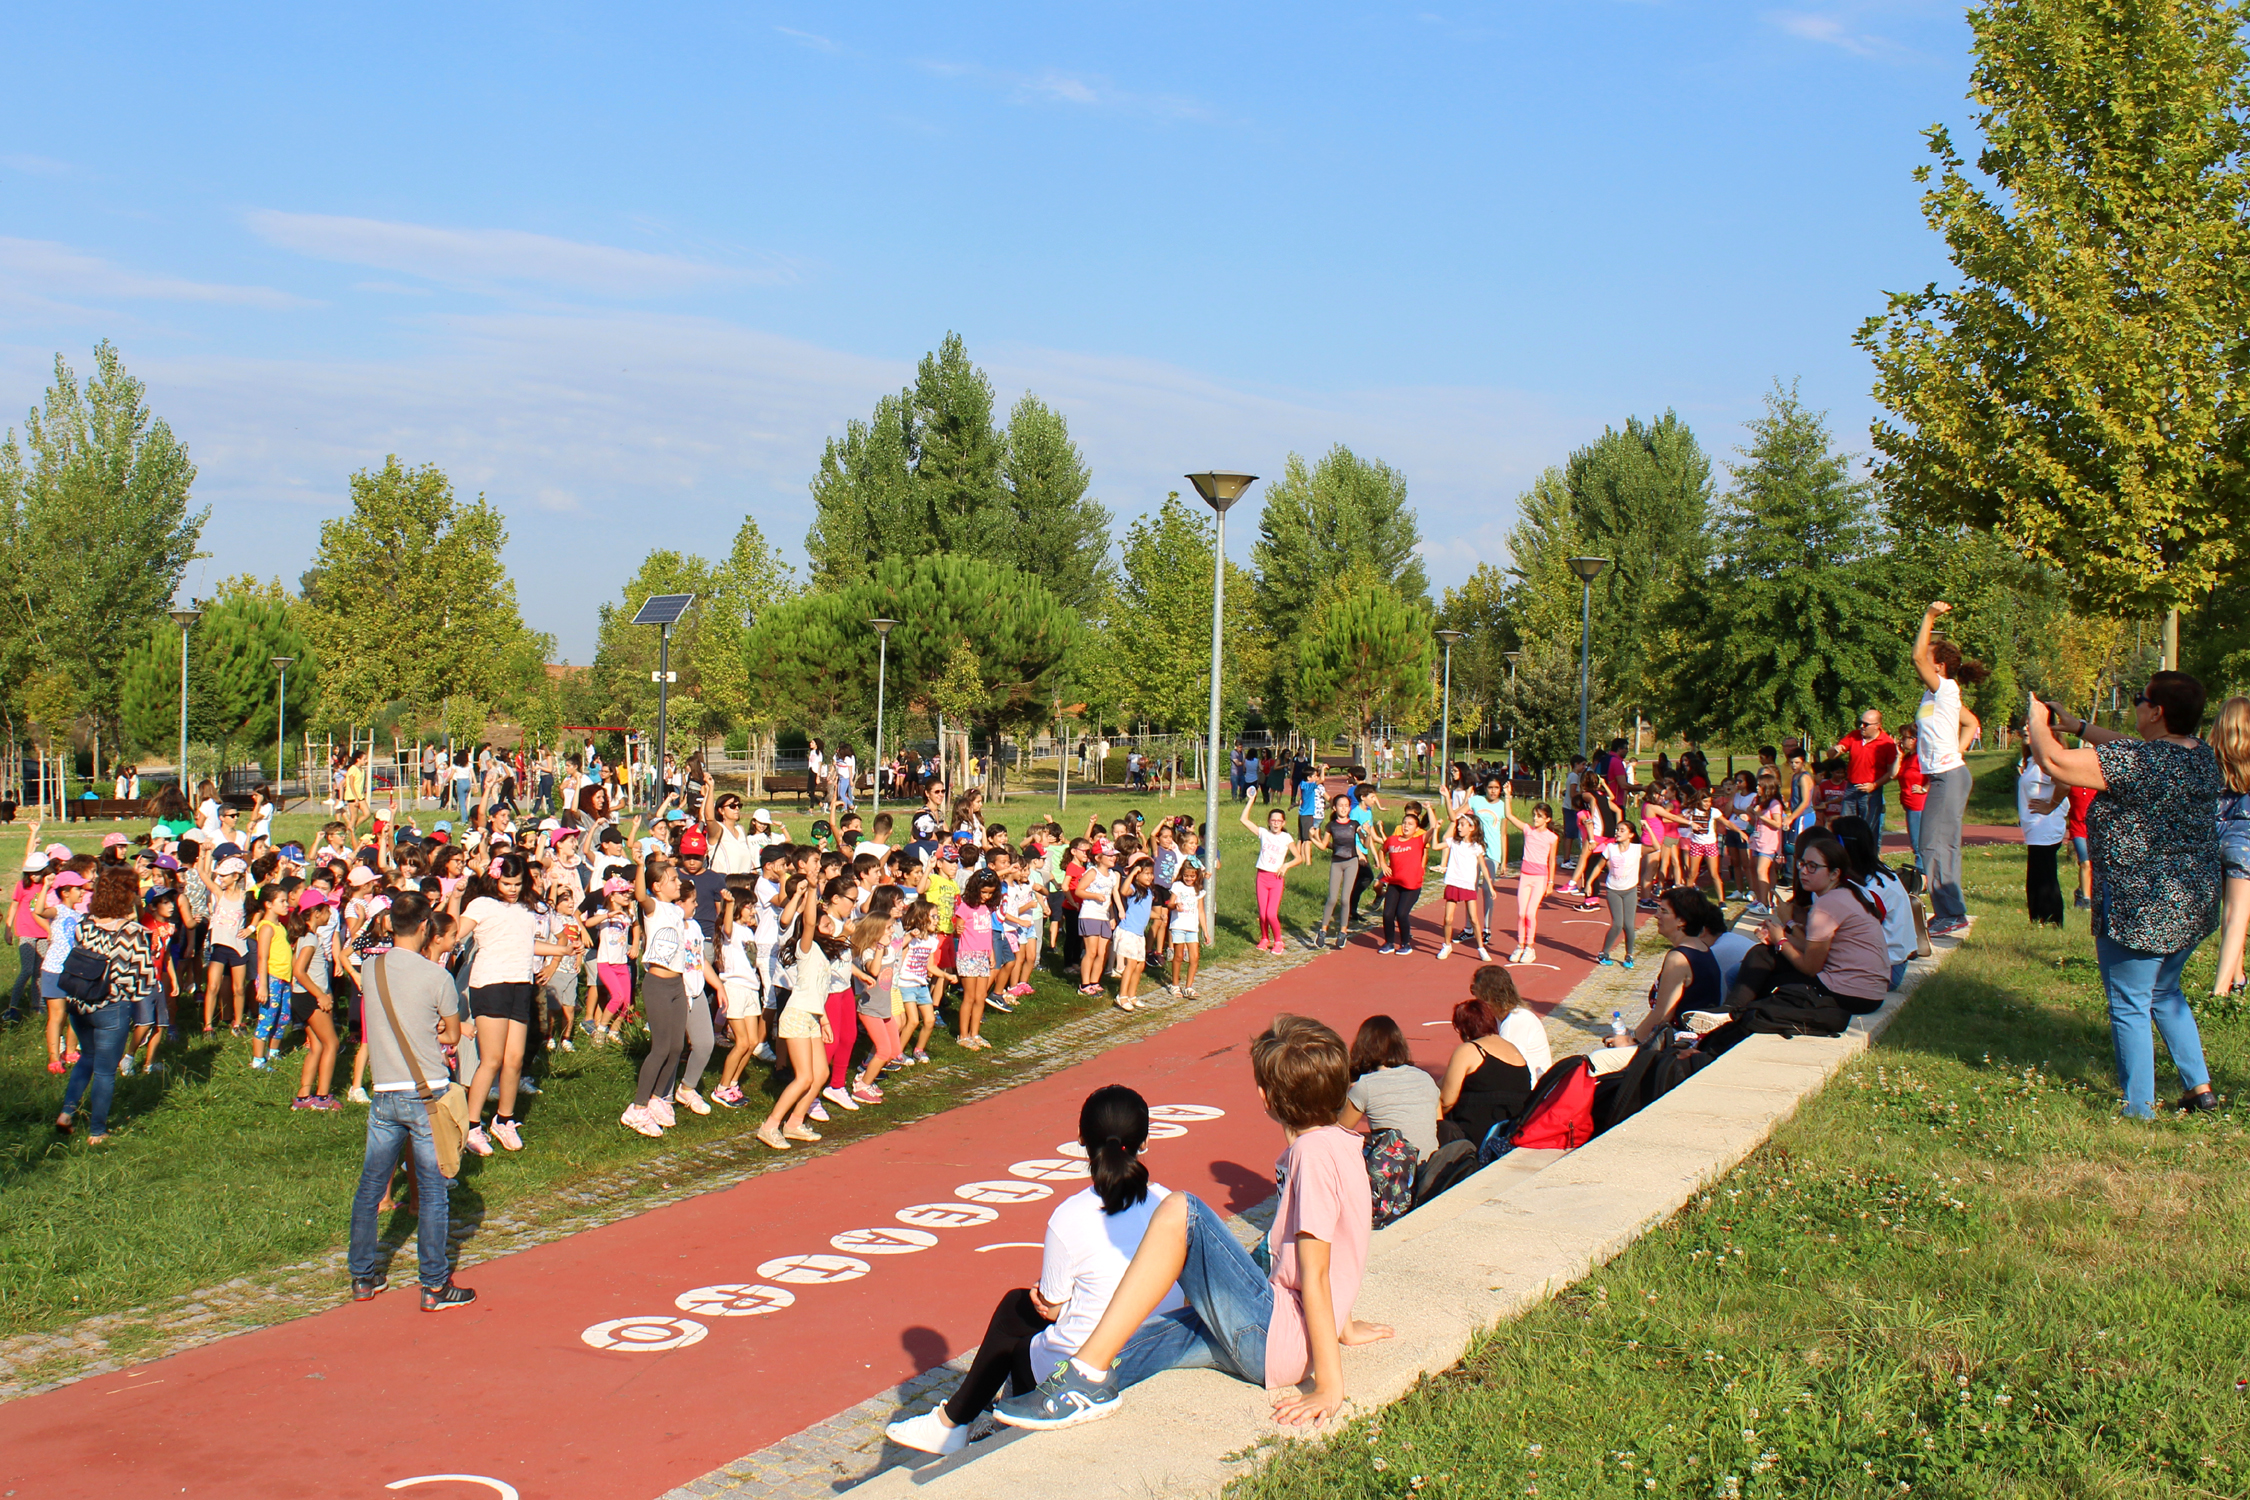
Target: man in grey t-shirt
428,1010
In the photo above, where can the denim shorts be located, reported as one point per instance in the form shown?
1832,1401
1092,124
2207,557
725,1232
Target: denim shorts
2234,854
2078,848
914,994
1223,1327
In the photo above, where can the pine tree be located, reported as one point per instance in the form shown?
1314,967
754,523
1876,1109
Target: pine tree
1366,654
1056,533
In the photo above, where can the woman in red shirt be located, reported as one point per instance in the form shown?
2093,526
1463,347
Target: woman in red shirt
1405,856
1913,790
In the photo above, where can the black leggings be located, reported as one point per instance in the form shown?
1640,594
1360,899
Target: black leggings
1398,915
1004,1356
27,975
2042,888
664,1001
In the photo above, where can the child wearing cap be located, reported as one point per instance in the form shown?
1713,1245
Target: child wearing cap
222,883
26,926
65,906
617,942
312,1004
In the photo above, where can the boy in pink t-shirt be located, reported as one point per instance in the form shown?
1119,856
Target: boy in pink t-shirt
1286,1328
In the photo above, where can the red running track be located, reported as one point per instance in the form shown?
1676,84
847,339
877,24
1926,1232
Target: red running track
350,1400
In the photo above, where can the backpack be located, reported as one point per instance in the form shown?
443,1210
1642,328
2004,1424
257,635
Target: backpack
1455,1162
1657,1068
84,977
1391,1161
1559,1116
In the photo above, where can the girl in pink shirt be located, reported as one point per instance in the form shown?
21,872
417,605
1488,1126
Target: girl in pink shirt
1533,879
973,916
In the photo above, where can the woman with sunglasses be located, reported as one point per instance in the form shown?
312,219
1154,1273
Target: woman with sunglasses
2156,846
731,853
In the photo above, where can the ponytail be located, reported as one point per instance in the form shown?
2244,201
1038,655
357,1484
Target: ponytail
1113,1126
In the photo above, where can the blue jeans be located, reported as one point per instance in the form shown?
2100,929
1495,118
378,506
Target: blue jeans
1868,807
462,791
1914,834
1223,1327
396,1124
102,1035
2141,987
27,973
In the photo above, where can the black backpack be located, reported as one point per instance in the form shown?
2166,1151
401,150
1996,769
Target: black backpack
84,977
1657,1068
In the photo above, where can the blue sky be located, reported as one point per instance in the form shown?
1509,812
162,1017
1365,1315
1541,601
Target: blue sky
624,268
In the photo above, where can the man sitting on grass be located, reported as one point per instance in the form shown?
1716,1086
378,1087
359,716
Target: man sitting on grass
1282,1330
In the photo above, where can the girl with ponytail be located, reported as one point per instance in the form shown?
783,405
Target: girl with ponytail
1090,1240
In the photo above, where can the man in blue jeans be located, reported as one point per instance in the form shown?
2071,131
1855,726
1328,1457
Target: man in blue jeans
412,1000
1873,757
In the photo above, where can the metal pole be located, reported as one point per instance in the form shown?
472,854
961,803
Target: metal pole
1211,759
663,693
882,669
1445,727
1585,644
280,740
1062,760
183,718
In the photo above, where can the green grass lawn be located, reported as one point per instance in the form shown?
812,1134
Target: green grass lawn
1955,1272
211,1174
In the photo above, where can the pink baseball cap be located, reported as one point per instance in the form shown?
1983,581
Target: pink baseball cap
114,841
614,886
361,875
58,851
68,879
313,896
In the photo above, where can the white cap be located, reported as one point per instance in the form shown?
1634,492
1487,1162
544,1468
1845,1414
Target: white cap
232,866
761,816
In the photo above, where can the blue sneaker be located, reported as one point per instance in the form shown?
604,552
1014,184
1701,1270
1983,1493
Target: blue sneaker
1064,1399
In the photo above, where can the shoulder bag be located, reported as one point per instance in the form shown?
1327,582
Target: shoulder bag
449,1112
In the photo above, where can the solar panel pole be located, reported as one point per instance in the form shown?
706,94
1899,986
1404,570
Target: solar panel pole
663,692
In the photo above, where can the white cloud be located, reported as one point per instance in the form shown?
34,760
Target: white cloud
37,269
485,257
36,166
1086,91
807,39
1836,31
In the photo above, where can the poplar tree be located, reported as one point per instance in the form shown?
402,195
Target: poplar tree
2080,390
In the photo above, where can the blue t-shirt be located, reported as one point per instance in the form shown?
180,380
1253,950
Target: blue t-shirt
1492,819
1308,798
61,938
1137,907
1167,866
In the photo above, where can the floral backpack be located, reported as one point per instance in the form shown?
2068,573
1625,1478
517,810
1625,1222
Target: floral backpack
1391,1163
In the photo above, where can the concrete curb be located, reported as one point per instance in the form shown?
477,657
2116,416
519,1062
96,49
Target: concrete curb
1521,1229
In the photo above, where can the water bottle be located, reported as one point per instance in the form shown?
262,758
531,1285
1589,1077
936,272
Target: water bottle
1619,1034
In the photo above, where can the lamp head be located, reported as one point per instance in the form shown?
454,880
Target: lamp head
1221,489
1588,568
283,661
1450,636
187,614
882,627
1512,656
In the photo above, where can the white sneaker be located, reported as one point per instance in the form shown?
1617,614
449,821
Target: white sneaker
566,1045
476,1140
839,1098
690,1098
125,1066
1484,955
660,1111
928,1433
817,1113
1445,951
551,1044
358,1095
637,1118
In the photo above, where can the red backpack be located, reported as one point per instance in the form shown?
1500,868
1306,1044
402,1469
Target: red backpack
1560,1113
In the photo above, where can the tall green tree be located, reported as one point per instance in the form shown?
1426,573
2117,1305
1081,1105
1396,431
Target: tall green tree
1539,705
95,530
408,600
1478,608
752,580
233,686
933,471
2080,391
1794,628
1365,654
625,654
1158,643
1056,532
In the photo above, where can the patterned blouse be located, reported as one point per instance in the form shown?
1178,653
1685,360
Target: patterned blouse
131,951
2155,844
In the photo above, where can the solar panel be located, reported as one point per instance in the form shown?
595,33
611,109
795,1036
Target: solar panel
664,609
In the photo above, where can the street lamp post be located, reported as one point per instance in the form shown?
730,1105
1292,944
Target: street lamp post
1512,656
1588,569
281,729
1445,718
185,617
882,670
1220,490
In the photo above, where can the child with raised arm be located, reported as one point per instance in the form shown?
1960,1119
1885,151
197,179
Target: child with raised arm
1285,1329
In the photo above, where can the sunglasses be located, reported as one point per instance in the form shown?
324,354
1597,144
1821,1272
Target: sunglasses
2140,700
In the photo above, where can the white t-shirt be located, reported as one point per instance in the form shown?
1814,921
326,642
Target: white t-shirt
1273,849
1093,893
2050,827
869,846
1461,864
664,938
1730,948
505,931
732,855
1522,1030
734,953
1086,1255
692,975
768,929
1937,729
1898,914
1624,866
1187,913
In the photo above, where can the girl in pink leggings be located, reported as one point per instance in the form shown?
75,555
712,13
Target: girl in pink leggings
617,942
1278,853
1533,878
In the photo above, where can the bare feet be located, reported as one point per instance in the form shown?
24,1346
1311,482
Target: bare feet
1357,1332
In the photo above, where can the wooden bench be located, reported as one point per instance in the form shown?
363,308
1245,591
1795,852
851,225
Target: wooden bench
798,783
82,809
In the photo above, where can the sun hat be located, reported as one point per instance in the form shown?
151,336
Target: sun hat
674,815
549,825
557,834
293,851
313,896
114,841
226,851
441,826
68,879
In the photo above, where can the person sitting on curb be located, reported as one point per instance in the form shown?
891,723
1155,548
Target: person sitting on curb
1285,1329
1091,1238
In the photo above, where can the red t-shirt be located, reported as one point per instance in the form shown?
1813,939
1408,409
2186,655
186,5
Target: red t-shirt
1913,785
1406,858
2081,798
1870,760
